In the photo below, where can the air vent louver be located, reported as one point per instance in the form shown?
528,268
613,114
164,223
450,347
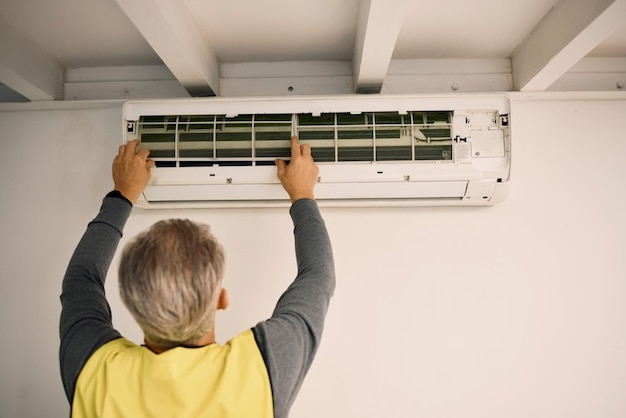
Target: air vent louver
258,139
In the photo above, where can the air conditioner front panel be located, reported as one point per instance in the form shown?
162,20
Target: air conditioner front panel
327,191
329,173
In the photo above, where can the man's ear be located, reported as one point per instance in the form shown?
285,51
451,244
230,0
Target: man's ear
223,300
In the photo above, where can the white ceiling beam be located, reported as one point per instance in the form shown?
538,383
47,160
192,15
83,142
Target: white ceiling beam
169,28
127,82
26,69
443,75
562,38
376,35
285,78
594,74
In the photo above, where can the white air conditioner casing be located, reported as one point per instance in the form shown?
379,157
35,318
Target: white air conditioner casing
378,150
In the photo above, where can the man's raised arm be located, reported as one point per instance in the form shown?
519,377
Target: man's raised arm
289,339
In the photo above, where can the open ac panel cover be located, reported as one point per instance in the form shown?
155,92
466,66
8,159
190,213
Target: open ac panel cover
378,150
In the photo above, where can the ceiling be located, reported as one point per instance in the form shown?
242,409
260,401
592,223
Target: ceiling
118,49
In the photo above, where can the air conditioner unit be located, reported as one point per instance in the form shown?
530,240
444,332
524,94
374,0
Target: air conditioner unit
383,150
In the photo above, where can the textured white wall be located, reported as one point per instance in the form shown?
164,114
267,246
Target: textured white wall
515,310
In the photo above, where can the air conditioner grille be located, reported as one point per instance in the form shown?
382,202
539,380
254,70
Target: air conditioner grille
258,139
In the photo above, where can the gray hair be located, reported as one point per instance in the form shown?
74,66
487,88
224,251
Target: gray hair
170,279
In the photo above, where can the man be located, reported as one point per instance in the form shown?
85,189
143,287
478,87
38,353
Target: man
170,280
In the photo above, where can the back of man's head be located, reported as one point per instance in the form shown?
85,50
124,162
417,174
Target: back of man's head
170,279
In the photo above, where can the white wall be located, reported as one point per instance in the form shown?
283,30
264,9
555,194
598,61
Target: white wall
511,311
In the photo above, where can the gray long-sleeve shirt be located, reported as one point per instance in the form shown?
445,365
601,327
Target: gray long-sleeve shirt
287,341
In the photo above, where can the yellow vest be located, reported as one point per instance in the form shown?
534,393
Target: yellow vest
122,379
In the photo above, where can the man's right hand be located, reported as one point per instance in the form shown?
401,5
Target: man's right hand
131,170
300,175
